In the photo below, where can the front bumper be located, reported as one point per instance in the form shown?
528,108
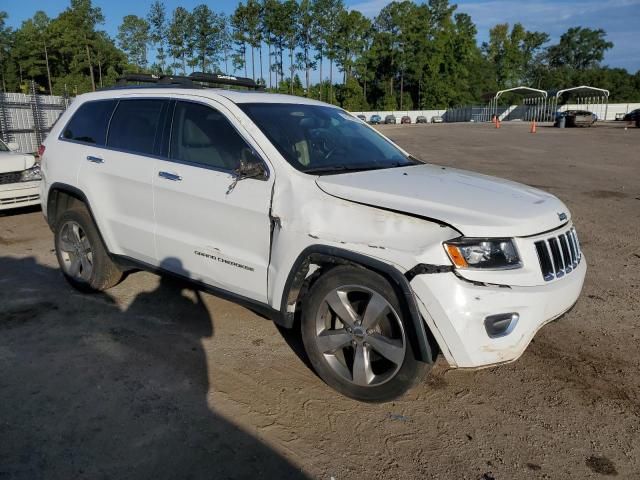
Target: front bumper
15,195
455,309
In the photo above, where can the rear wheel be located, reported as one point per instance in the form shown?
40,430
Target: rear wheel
356,337
82,256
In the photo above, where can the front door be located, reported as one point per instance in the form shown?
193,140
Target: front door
206,228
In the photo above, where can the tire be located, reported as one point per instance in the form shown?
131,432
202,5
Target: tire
82,256
356,337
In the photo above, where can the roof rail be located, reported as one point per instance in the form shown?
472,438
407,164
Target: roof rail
195,80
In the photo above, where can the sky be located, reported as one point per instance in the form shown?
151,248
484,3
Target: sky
619,18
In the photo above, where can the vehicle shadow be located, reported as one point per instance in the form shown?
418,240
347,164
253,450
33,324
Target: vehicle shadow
89,389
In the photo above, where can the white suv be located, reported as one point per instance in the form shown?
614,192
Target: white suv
19,178
304,213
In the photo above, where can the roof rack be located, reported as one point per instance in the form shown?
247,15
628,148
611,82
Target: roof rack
195,80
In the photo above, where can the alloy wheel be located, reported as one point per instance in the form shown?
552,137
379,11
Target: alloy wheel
75,251
360,335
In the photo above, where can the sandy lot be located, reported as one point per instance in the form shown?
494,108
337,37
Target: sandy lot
154,380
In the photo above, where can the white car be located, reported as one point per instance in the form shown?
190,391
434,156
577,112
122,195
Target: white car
19,178
302,212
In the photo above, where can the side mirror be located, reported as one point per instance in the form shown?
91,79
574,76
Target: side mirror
13,146
251,170
248,170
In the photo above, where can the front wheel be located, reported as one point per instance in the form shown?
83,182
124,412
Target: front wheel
356,337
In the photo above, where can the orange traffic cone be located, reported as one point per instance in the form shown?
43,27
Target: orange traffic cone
533,126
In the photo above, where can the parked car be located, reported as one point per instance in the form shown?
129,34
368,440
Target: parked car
437,119
362,117
421,119
577,118
390,119
19,178
633,116
375,120
406,119
292,208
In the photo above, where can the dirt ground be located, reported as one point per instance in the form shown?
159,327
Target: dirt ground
154,380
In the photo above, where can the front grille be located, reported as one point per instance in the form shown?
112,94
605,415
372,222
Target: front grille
559,255
11,177
17,200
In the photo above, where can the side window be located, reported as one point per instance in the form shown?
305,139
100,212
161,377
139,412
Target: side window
203,135
135,124
89,123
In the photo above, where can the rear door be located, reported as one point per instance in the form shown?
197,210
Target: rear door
118,179
207,227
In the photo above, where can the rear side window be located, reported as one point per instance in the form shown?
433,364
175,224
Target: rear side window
89,123
135,125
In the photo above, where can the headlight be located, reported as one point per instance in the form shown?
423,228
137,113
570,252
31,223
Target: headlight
489,253
32,174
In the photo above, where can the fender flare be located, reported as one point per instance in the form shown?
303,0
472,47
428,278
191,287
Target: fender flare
423,343
76,193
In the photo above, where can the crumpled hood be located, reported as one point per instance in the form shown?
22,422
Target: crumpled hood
476,205
15,162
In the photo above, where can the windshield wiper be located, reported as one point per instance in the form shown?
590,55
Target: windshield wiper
348,168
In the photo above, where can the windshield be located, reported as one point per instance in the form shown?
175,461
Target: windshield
318,139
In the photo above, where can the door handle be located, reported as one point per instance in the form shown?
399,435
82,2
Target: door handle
93,159
170,176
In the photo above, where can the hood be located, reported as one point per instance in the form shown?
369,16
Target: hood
476,205
15,162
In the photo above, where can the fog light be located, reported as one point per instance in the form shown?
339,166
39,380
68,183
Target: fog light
501,324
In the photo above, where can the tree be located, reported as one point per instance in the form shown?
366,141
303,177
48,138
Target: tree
422,54
515,54
179,35
133,38
351,96
41,22
27,47
276,24
226,40
239,28
290,12
394,25
253,11
306,26
6,35
158,30
331,21
321,10
267,22
207,29
579,49
85,17
353,31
